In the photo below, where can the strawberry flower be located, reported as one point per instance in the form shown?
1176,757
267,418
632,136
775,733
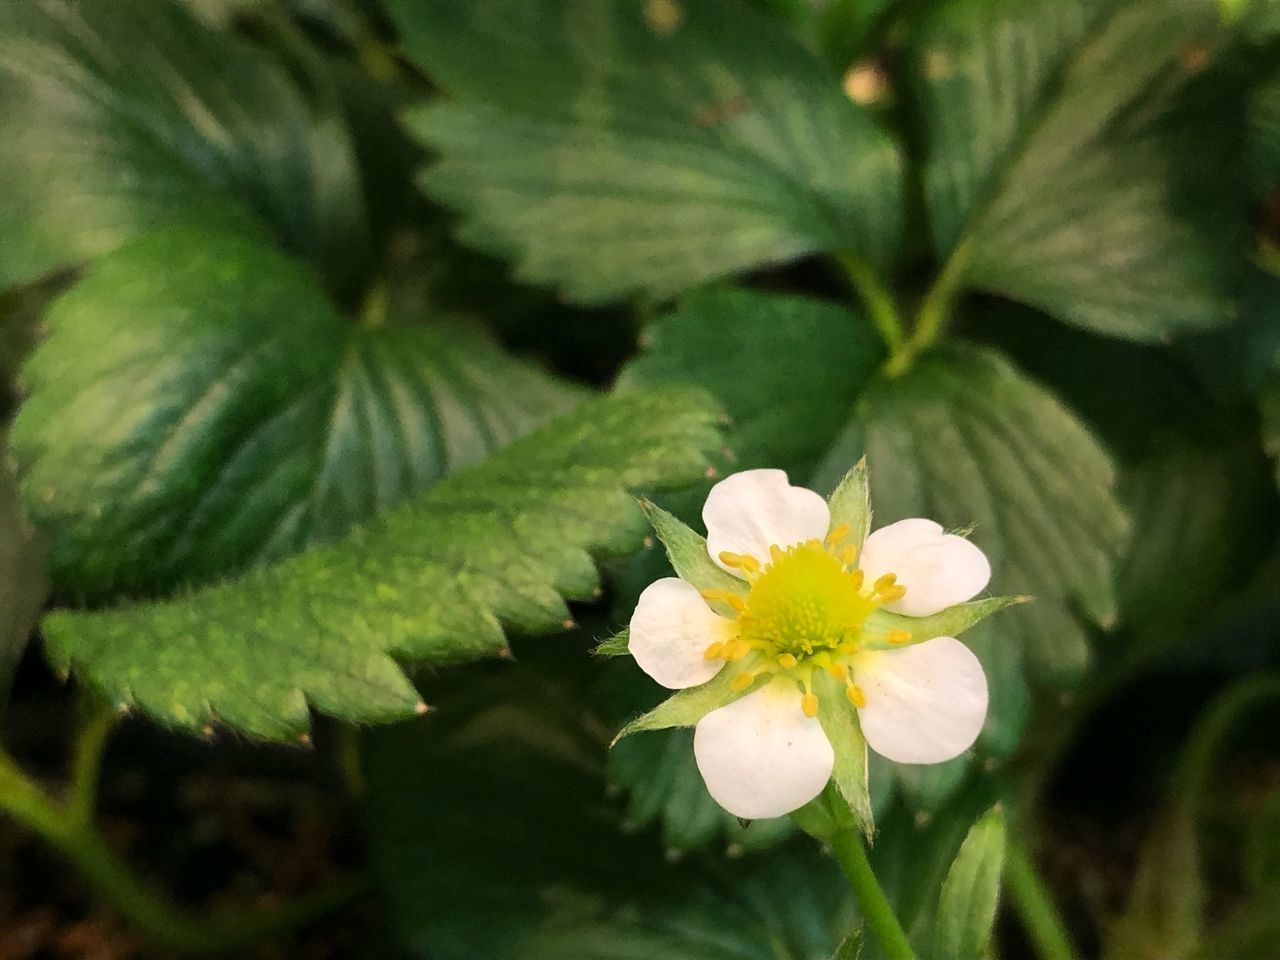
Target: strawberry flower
814,617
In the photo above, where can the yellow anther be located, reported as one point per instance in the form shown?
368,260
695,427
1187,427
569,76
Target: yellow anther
740,560
857,577
742,681
848,554
893,593
736,649
713,652
809,704
885,583
724,596
838,670
898,636
776,553
787,661
855,695
839,533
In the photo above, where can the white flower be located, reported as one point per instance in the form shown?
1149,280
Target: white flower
810,603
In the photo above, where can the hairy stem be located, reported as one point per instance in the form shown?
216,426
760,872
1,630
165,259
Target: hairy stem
876,911
1034,904
68,826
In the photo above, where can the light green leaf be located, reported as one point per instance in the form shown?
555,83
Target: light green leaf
839,722
950,622
967,904
23,574
850,503
611,149
226,415
499,543
492,840
1058,147
116,119
686,707
687,552
967,440
615,646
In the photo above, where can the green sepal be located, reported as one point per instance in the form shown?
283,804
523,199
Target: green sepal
967,903
686,707
615,646
839,719
950,622
687,551
850,503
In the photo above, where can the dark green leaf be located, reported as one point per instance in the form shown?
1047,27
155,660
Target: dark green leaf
613,148
492,841
224,414
967,440
23,574
116,118
1057,151
967,905
502,542
1264,137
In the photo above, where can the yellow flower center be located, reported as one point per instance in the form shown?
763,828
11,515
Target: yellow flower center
804,611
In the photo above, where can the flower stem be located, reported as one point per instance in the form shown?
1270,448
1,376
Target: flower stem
935,310
69,828
878,300
1034,904
876,911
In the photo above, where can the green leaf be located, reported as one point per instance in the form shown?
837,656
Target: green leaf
787,369
224,414
967,904
686,707
117,120
850,503
1164,915
1264,137
950,622
967,440
1067,169
23,574
1269,407
492,840
839,722
502,542
687,552
612,149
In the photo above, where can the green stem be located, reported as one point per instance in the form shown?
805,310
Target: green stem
1211,731
1034,904
69,828
874,905
83,795
878,299
935,310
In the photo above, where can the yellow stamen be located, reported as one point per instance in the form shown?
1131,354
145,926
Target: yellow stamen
838,534
838,671
787,661
809,704
885,583
898,636
742,681
855,695
857,577
893,593
776,553
713,652
736,649
742,561
724,596
848,555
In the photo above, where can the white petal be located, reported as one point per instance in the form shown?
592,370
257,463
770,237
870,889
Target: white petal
761,756
938,569
925,703
670,630
751,511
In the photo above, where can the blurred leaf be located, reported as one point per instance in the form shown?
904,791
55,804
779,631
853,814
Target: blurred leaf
964,438
23,574
614,148
1264,136
1057,150
967,904
1262,847
492,841
1269,407
191,416
501,542
787,369
1164,916
117,120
